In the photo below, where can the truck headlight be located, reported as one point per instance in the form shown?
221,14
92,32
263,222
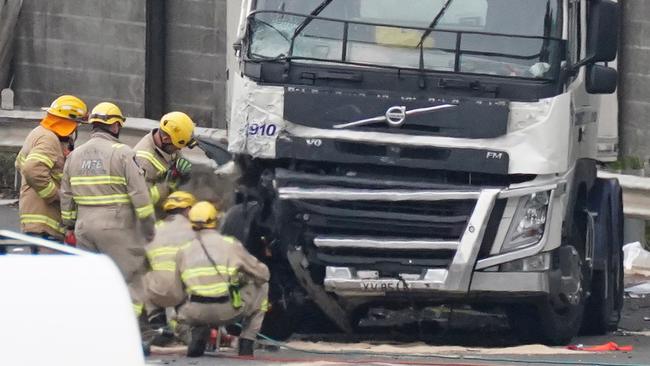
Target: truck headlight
527,227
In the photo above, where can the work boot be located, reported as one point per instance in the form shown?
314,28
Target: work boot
246,347
198,340
157,319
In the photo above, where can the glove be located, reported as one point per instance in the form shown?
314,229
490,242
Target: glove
70,238
183,167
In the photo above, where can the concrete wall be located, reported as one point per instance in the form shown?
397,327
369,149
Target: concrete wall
196,59
634,91
94,49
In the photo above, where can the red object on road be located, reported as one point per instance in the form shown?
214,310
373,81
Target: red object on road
70,239
607,347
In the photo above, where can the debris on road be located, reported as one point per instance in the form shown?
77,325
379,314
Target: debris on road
636,260
419,348
607,347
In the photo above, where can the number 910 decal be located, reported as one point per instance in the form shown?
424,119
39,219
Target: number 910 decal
256,129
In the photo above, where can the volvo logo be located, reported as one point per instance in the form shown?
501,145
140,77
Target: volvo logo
395,116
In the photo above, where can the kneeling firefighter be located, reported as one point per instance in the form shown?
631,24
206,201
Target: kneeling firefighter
224,285
172,233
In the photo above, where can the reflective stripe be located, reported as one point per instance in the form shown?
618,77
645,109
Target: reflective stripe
152,159
208,271
102,200
265,305
57,176
214,289
144,211
137,309
20,158
160,223
154,193
42,158
167,266
157,252
117,146
96,180
48,190
172,324
69,215
229,239
41,219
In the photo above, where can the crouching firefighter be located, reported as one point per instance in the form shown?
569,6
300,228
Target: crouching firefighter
172,233
219,283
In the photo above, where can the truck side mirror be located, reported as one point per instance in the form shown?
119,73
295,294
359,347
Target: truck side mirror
601,79
602,36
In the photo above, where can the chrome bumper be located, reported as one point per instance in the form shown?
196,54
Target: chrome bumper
366,283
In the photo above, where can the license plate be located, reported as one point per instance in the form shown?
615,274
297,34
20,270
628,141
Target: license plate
373,286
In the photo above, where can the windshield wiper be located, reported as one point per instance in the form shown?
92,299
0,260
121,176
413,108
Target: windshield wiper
431,27
435,21
317,10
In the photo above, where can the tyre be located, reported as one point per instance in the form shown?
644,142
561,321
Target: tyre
555,320
239,222
603,311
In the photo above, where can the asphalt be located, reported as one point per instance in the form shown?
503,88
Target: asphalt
633,326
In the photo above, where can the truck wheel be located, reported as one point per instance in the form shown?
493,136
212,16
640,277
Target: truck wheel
604,306
239,222
556,320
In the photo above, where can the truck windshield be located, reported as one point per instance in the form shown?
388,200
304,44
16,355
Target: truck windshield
511,38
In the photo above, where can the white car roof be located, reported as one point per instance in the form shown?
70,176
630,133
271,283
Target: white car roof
65,309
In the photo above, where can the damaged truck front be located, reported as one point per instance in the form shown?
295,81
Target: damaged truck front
402,155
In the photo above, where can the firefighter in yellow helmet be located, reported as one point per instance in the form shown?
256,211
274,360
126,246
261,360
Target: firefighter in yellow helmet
105,200
40,163
158,153
172,233
217,283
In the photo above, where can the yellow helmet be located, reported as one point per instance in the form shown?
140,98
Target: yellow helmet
179,199
203,215
107,113
180,128
69,107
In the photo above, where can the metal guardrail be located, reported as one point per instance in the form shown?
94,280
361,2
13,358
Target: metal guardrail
636,194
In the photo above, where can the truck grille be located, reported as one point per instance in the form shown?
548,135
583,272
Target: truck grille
443,220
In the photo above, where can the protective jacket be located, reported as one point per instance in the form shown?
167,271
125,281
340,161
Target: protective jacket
172,234
155,163
40,163
103,196
218,282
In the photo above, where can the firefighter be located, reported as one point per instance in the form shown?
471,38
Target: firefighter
217,283
103,194
158,153
40,163
172,233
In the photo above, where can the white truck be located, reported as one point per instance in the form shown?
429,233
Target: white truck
401,155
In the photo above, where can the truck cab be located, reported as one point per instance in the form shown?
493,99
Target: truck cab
437,152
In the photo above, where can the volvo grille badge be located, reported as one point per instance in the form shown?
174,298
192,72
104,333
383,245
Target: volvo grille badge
395,116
